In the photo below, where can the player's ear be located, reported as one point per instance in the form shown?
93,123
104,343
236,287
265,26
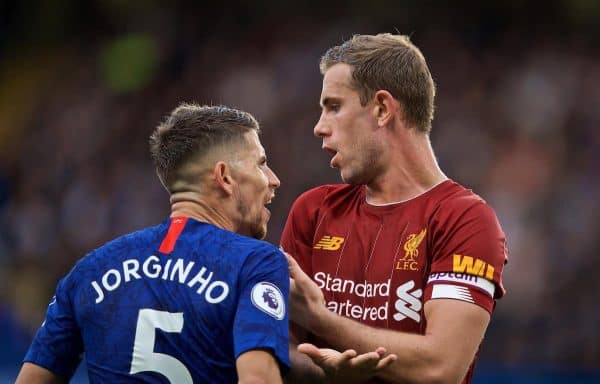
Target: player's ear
386,107
223,177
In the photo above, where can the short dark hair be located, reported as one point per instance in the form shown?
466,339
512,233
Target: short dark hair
192,130
392,63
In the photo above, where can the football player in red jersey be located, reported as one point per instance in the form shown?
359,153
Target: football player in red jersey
400,256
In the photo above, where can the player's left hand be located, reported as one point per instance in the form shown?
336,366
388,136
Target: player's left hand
306,298
347,367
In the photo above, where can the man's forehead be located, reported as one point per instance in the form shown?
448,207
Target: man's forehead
252,137
254,141
337,79
339,75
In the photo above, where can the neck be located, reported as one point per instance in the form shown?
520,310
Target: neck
191,204
412,170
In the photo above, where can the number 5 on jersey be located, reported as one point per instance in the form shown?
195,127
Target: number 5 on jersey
145,359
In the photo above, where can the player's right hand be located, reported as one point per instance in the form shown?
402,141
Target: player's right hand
306,298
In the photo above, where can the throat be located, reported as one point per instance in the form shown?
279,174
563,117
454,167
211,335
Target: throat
400,193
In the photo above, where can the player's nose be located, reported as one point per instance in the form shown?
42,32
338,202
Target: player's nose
274,181
321,127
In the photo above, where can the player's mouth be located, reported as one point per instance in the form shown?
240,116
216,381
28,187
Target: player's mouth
267,203
332,163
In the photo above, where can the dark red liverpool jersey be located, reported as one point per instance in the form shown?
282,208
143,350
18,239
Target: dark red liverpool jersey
379,264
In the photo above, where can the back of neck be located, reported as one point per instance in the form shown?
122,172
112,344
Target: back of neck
197,207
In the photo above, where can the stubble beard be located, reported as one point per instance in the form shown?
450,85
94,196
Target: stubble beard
366,167
250,226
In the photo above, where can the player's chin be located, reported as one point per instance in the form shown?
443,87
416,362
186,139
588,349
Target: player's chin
260,228
261,232
354,176
266,214
348,176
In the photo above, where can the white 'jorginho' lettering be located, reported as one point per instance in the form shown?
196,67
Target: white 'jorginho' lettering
178,271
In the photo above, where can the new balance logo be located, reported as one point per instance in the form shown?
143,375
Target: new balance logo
408,303
329,243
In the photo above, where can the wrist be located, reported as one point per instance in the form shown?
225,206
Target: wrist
318,321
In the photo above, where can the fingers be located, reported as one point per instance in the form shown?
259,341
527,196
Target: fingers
308,349
367,360
292,264
389,359
347,366
296,272
348,354
295,269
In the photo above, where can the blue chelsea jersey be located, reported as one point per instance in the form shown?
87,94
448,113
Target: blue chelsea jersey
175,303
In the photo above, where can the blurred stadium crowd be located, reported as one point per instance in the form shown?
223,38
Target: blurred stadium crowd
517,120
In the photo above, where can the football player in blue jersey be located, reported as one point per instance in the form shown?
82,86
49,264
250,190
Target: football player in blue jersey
198,298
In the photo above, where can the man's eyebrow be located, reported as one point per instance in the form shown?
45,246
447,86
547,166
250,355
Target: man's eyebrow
326,101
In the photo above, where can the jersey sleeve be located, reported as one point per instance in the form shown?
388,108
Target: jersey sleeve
299,231
261,319
469,254
58,345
